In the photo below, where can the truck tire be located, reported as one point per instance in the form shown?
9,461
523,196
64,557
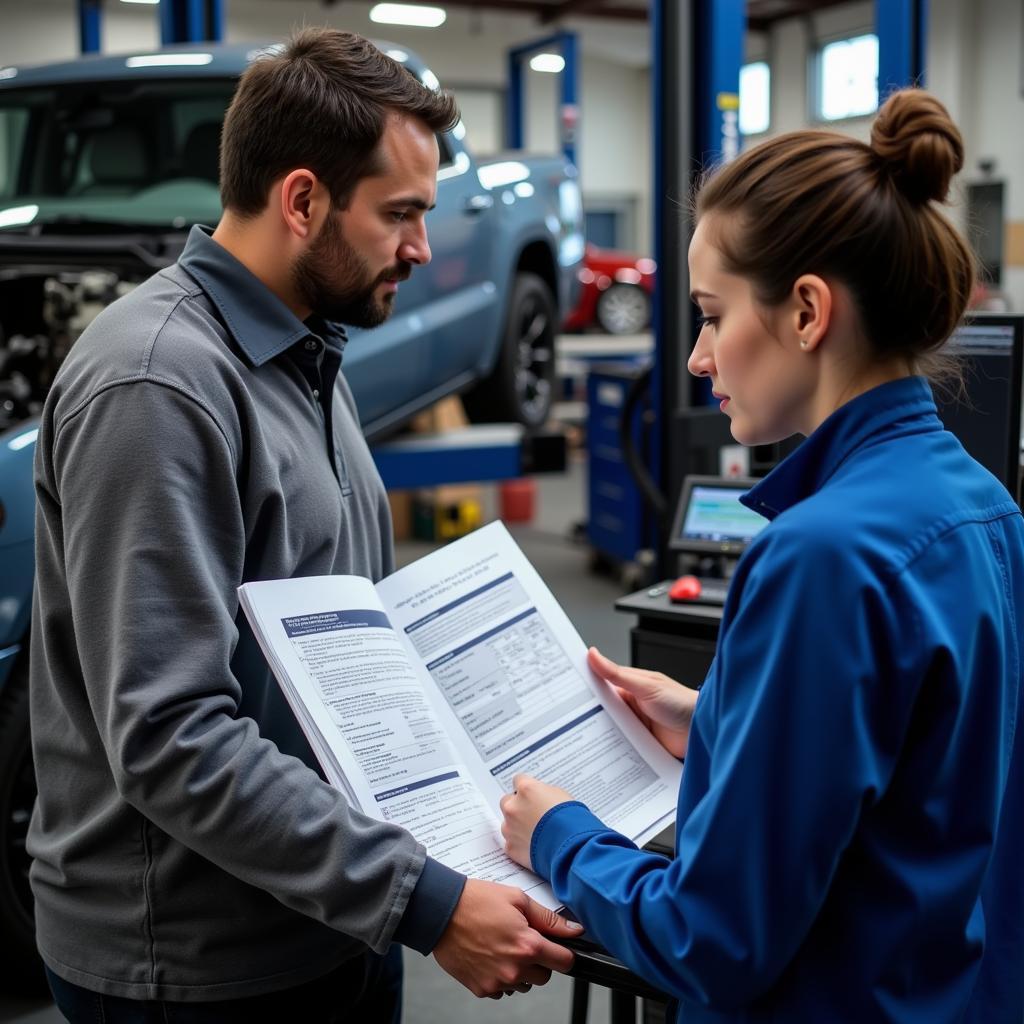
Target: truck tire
623,309
521,388
20,967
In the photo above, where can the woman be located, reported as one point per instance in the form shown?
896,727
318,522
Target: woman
849,839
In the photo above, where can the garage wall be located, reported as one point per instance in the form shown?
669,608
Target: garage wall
788,48
974,64
996,116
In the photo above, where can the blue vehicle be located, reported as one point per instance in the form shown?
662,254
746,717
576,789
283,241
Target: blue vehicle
105,164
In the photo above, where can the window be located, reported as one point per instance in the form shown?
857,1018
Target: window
755,98
125,151
603,228
848,78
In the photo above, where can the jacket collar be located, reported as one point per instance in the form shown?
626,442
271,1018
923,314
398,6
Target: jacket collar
261,324
889,410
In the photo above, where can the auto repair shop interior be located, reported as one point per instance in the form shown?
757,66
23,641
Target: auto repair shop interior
534,371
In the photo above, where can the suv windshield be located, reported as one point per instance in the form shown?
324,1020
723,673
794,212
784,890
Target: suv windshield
117,153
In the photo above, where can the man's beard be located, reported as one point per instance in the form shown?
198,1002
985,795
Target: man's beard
336,282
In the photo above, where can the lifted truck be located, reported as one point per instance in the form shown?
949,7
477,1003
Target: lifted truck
105,164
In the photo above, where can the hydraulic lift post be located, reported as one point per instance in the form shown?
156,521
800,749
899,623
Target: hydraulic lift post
569,106
191,21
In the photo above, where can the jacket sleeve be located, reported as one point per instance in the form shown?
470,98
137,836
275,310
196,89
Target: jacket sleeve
154,545
801,720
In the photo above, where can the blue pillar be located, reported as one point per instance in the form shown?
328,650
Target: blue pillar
902,30
720,31
569,107
191,21
698,51
514,109
569,115
89,19
215,20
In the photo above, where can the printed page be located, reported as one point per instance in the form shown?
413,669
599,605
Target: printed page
511,669
361,702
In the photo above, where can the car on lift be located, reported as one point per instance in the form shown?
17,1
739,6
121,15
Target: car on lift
617,292
105,164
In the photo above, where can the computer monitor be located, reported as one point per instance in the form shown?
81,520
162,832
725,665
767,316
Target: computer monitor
987,420
710,518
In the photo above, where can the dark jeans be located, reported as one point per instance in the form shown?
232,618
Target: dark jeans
364,990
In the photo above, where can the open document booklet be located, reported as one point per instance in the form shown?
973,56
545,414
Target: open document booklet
424,694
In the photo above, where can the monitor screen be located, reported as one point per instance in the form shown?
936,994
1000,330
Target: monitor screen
710,517
987,419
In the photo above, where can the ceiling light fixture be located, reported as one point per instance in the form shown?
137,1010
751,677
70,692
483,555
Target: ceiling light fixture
549,62
408,14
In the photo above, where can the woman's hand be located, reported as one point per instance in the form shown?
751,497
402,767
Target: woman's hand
663,705
528,802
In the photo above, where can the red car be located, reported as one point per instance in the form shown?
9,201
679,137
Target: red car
616,293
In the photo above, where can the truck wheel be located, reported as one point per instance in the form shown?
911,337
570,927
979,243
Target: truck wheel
623,309
521,388
20,966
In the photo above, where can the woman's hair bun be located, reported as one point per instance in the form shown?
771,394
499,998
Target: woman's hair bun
918,143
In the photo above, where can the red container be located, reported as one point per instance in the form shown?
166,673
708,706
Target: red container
518,500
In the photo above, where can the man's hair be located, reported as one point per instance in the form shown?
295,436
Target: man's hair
321,102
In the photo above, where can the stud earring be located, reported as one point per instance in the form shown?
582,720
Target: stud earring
803,343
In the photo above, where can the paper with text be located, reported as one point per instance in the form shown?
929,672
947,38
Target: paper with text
423,696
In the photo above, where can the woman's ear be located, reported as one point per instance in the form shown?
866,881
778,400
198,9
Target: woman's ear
811,304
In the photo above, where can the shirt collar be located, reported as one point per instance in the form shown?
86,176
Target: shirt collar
891,409
261,324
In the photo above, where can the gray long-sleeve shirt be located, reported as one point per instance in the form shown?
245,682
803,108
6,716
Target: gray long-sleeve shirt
185,845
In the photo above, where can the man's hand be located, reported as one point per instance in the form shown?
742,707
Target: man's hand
663,705
494,943
528,802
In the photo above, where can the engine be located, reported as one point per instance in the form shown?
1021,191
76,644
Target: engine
41,317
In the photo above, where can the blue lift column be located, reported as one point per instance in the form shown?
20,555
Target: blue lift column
902,27
697,54
89,21
569,108
191,21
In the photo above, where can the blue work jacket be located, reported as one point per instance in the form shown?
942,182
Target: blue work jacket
850,833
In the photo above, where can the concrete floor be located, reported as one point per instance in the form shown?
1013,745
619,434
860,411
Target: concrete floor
431,996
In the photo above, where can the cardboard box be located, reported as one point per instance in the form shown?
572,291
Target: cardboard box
448,414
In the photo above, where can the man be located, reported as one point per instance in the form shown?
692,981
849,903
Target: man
190,863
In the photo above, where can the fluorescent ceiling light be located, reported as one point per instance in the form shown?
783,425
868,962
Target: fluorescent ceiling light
140,1
169,60
550,62
18,215
408,14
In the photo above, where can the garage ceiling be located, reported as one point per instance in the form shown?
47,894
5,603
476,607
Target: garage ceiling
760,13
